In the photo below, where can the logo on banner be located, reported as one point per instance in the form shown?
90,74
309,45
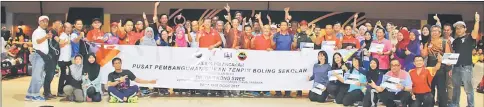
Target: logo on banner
242,56
228,55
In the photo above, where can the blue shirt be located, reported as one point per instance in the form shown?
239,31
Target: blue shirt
362,79
75,46
320,74
283,42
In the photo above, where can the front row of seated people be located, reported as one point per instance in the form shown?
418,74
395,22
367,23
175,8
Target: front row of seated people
357,84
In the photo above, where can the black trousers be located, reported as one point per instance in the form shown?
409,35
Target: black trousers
338,90
388,97
367,101
352,97
318,98
423,100
286,93
50,66
62,79
439,82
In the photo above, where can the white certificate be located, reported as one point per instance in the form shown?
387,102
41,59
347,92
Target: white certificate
317,91
306,45
320,86
333,78
352,79
328,45
391,83
450,58
375,47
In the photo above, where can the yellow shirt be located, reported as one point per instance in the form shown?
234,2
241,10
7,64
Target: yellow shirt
475,58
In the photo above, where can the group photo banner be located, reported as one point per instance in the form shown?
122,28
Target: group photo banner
217,69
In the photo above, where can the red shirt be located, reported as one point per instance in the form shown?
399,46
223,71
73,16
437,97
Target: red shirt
208,39
262,43
244,41
421,82
134,36
95,35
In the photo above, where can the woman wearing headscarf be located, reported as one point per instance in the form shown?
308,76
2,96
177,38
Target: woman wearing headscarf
366,47
425,33
92,82
181,39
410,50
148,38
401,46
373,76
73,89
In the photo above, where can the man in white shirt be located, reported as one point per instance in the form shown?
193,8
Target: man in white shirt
65,55
39,42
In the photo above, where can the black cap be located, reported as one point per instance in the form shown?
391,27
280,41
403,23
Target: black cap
96,19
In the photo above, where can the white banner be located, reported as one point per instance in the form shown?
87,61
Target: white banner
218,69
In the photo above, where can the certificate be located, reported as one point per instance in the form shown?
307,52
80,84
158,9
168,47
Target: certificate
333,78
375,47
306,45
450,58
317,91
391,83
328,45
352,79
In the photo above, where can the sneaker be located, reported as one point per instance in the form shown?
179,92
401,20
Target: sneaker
133,98
38,98
255,94
61,95
177,93
268,94
184,93
28,98
113,99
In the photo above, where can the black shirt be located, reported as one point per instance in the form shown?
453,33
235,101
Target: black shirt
302,37
114,76
464,46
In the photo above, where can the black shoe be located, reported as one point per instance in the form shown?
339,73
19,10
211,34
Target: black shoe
61,95
49,96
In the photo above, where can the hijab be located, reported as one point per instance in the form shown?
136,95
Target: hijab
405,41
368,42
180,37
148,38
373,74
412,44
425,39
92,69
76,70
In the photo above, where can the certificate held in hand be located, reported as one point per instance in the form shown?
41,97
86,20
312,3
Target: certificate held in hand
450,58
352,79
333,78
391,83
375,47
328,45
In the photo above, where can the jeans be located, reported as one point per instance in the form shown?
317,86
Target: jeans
122,93
62,79
423,100
462,74
439,82
38,75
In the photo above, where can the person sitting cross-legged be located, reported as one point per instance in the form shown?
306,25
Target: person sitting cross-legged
119,88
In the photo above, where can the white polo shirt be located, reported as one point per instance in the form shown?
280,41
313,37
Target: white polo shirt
38,34
66,51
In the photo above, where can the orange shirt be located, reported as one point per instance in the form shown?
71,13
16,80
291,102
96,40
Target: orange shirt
244,41
421,82
262,43
333,38
95,35
351,40
208,38
122,38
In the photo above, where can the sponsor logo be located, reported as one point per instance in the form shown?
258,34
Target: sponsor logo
242,56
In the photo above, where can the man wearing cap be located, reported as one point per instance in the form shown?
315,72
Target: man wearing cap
304,36
462,71
39,42
96,35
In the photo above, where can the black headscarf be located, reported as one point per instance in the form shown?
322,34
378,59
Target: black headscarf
425,39
373,74
368,42
92,69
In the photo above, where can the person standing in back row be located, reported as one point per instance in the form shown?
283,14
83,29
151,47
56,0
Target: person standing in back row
462,71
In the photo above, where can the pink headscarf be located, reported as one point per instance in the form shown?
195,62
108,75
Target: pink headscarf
180,37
